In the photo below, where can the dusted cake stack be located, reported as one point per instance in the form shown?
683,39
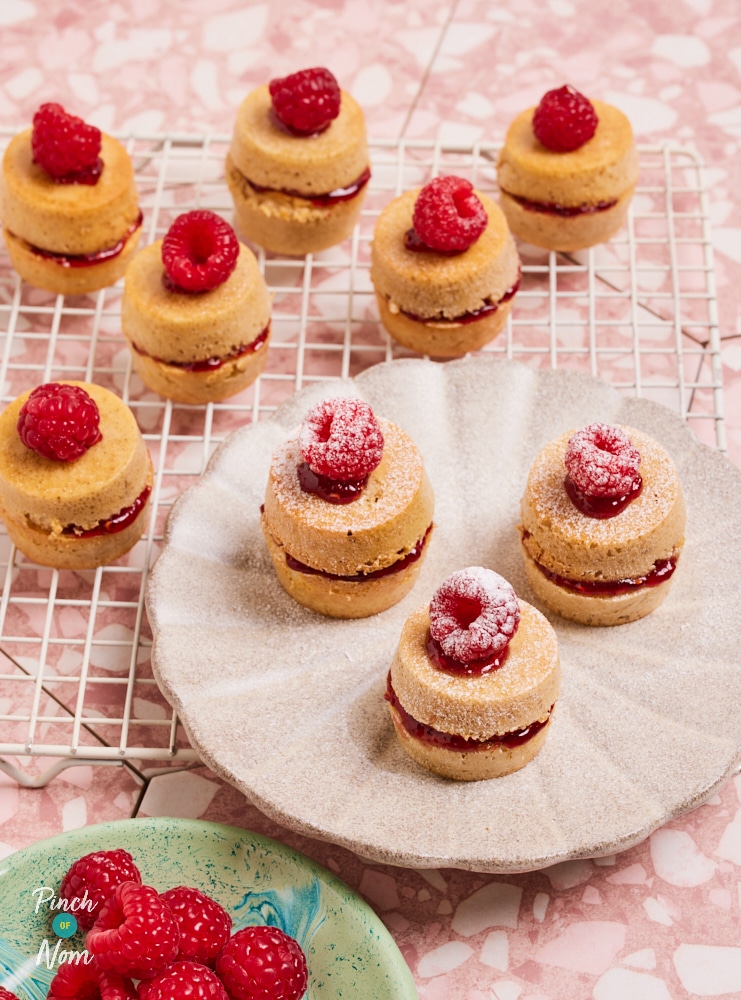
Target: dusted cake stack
475,678
348,511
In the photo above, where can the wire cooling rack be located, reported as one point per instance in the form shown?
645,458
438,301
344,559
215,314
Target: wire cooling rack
640,312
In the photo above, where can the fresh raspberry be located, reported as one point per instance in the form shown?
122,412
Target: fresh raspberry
204,925
340,438
448,216
262,963
473,614
183,981
564,120
92,879
602,461
79,981
6,994
199,252
135,933
307,101
65,146
59,421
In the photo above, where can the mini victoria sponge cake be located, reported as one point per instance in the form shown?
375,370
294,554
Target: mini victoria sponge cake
475,725
436,303
196,347
353,559
602,570
69,238
76,514
568,200
296,194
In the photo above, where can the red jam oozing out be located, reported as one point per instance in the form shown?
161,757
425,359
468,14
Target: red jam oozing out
476,668
89,259
112,525
449,741
411,557
321,200
469,317
331,490
564,211
211,364
600,507
661,571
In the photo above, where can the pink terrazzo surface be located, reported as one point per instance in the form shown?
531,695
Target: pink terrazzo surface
662,920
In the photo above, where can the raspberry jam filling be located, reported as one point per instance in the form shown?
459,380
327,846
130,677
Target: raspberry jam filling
411,557
112,525
320,200
88,259
213,363
476,668
600,507
450,741
662,570
331,490
563,211
469,317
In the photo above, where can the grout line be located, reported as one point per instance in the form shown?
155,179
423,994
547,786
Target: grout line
428,69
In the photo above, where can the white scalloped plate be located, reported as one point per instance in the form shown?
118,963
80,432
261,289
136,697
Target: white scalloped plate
289,706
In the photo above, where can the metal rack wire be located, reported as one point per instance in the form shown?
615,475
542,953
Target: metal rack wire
640,312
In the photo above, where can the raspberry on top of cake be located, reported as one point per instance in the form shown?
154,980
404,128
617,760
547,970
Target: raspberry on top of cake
475,678
444,268
69,205
567,171
348,511
602,524
298,165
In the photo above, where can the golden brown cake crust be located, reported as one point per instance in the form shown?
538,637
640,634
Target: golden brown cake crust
67,218
176,326
578,547
108,477
602,169
595,610
168,327
342,598
373,532
554,232
433,285
442,338
267,154
196,388
47,273
471,765
521,692
40,497
287,224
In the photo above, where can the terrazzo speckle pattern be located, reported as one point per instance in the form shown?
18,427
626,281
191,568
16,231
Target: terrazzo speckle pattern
662,919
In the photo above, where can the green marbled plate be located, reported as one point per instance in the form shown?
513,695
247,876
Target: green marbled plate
349,951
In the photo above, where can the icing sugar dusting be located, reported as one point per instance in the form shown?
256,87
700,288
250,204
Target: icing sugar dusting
474,614
602,461
340,438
